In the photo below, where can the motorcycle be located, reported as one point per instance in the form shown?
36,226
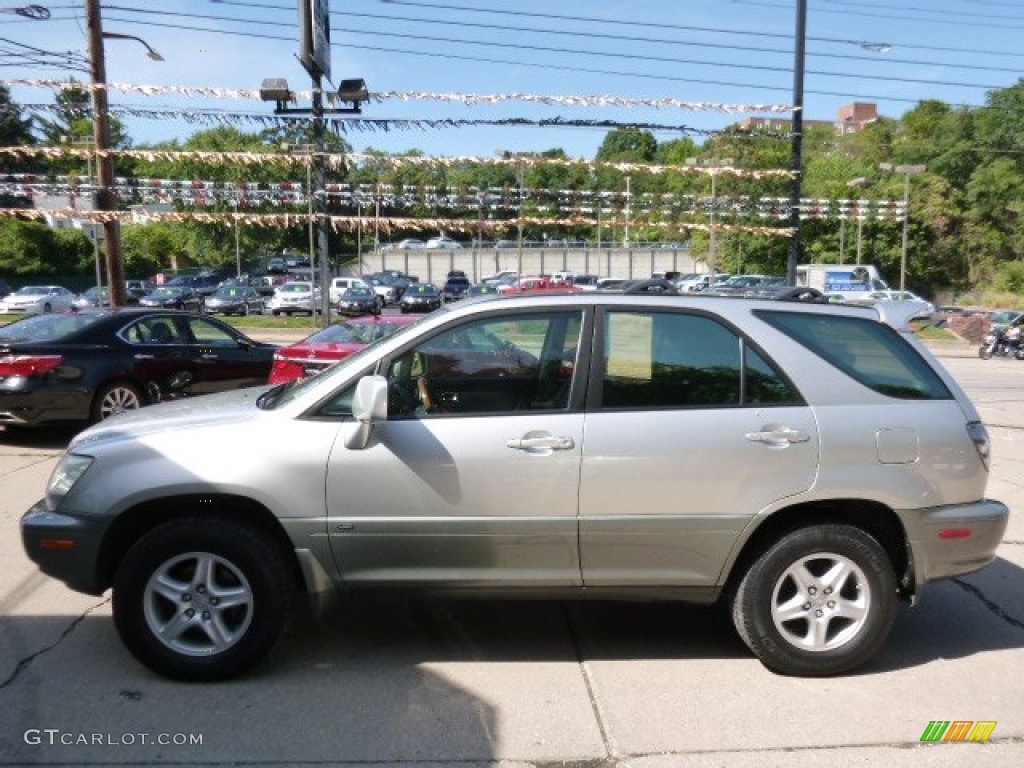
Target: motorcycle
1002,342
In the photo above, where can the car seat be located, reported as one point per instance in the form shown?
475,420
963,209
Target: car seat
161,333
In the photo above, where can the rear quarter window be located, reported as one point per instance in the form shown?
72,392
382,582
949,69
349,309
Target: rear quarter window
868,351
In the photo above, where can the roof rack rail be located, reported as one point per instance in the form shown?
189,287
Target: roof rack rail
652,285
800,293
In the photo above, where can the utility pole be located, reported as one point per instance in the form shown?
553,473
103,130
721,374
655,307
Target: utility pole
104,162
798,138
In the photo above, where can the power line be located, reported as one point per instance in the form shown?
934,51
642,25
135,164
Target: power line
582,52
589,35
889,17
681,27
919,9
587,70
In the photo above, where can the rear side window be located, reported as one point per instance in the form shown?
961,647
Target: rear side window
870,352
678,360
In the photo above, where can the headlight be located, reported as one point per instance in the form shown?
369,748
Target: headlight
67,472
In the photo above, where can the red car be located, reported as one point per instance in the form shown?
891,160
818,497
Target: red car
539,284
334,343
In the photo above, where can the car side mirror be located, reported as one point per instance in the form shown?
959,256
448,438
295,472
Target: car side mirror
369,405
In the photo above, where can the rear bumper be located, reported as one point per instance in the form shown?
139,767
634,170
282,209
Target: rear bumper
954,540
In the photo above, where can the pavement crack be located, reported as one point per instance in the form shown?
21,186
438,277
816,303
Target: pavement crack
993,606
595,704
23,663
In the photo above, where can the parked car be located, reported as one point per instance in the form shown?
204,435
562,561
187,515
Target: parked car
295,297
421,297
442,242
503,276
89,365
455,287
341,284
136,289
173,297
36,299
93,297
235,300
481,289
359,300
408,244
537,284
585,282
204,285
832,467
335,342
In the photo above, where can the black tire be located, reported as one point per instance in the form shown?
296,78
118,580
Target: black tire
114,398
209,558
47,307
985,352
777,615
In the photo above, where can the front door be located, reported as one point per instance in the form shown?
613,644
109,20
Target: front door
473,479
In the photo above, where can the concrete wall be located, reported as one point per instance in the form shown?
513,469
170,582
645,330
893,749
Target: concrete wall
434,265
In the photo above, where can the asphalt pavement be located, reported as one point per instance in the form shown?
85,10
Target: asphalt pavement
384,681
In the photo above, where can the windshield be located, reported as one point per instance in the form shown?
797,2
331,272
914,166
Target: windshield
31,290
160,292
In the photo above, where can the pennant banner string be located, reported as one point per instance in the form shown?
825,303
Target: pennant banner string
468,99
341,161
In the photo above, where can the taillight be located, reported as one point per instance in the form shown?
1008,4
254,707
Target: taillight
28,365
284,370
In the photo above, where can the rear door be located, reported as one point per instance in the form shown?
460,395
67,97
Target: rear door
691,431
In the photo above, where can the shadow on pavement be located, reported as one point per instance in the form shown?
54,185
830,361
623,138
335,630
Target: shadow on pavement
44,438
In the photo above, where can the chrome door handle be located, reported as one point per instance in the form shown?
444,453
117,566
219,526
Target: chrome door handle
533,443
780,436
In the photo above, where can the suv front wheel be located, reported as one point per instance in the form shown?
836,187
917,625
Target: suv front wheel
202,599
820,601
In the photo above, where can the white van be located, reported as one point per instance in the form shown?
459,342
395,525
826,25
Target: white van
341,284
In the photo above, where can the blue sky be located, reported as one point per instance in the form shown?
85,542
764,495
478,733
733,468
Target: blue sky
891,52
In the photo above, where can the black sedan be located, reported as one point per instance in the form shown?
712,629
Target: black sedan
420,297
173,297
88,365
359,300
235,300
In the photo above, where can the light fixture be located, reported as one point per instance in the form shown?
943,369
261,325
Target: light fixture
351,91
150,51
276,89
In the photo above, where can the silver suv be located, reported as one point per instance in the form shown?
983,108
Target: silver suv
804,464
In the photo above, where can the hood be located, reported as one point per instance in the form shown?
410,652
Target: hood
194,413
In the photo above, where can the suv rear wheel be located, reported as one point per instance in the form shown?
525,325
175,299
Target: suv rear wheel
202,599
820,601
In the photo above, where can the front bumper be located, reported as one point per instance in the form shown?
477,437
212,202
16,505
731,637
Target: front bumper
66,548
954,540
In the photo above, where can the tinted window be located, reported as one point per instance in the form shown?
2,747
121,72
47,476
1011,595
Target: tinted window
676,360
870,352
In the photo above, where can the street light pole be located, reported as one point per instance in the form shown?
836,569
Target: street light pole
907,171
859,183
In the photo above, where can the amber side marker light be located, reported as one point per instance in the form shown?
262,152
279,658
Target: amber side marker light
58,543
954,533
